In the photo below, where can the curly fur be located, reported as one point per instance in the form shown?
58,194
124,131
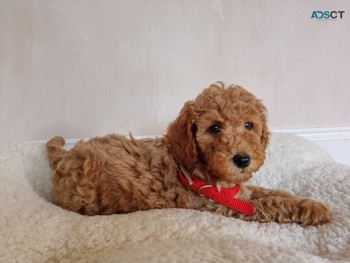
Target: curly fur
114,174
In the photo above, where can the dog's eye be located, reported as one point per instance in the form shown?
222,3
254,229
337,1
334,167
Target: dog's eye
248,125
214,129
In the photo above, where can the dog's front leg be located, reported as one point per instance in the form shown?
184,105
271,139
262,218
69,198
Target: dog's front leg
277,206
280,206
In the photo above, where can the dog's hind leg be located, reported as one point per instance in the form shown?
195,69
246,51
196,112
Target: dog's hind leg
77,179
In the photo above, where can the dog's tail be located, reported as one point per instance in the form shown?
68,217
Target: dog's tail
55,151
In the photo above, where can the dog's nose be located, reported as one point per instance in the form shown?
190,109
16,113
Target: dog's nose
241,160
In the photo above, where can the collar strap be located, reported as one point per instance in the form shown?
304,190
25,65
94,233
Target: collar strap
225,197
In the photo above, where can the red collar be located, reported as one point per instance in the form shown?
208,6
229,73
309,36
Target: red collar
224,197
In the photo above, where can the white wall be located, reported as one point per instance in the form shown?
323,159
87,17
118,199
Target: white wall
83,68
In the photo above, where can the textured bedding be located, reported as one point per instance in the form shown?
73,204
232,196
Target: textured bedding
32,229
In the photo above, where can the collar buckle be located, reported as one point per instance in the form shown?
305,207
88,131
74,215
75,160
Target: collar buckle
200,189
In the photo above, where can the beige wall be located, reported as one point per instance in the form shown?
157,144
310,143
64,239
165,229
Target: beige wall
83,68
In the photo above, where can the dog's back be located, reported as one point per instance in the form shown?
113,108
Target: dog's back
112,174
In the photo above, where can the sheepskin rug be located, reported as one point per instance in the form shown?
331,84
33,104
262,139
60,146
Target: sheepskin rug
32,229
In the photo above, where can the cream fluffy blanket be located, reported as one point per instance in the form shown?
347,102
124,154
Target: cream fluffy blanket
34,230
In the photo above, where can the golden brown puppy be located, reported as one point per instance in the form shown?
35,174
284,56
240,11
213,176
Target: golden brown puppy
219,139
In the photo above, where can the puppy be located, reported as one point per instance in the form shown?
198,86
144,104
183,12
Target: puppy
207,154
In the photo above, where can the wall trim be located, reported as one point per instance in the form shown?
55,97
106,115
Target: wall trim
320,134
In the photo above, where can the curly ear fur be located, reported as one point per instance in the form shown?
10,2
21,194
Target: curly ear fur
181,137
265,136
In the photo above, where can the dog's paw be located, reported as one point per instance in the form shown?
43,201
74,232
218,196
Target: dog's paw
312,213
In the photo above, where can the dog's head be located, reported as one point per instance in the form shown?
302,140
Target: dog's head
224,130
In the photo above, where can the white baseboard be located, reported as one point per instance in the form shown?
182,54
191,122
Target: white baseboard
335,140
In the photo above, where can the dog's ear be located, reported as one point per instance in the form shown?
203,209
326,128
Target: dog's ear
181,137
265,135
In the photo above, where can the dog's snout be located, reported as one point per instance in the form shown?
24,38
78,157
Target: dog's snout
241,160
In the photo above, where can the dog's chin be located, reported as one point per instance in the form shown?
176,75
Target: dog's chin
233,180
240,176
230,175
234,176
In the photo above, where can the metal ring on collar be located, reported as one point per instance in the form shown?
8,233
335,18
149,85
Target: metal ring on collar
202,187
